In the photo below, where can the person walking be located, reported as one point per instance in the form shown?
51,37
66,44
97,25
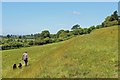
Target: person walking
25,58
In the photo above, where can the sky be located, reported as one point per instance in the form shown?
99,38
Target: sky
21,18
0,18
60,0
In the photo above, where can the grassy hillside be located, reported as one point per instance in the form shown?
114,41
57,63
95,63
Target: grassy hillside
92,55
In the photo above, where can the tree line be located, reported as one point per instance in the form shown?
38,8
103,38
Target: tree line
15,41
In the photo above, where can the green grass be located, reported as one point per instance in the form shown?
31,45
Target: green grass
94,55
0,64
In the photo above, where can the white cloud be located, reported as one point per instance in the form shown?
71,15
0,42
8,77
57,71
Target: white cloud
76,12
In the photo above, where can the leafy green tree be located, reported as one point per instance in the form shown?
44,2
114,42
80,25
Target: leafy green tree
60,39
75,27
59,32
37,35
39,42
114,16
46,40
24,37
20,37
85,31
91,28
45,34
111,20
31,42
6,46
52,35
76,31
63,35
98,26
8,36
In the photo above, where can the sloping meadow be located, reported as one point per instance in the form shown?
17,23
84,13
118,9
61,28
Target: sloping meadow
93,55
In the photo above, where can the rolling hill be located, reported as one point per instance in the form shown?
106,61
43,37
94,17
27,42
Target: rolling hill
93,55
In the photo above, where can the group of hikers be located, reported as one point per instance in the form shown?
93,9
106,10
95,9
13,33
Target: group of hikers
24,58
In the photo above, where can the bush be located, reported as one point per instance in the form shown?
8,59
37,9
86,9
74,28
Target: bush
31,43
12,45
39,42
60,39
98,26
46,40
5,46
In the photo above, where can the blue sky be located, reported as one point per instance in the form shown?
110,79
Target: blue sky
0,18
32,17
60,0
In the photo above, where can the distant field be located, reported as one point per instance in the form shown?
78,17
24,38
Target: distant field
94,55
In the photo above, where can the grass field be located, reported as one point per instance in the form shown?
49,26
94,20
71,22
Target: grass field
94,55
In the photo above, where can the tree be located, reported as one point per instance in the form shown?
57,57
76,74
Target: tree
98,26
77,31
45,34
46,40
52,35
91,28
59,32
24,37
75,27
32,35
8,36
31,42
20,37
39,42
114,16
111,20
37,35
85,31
